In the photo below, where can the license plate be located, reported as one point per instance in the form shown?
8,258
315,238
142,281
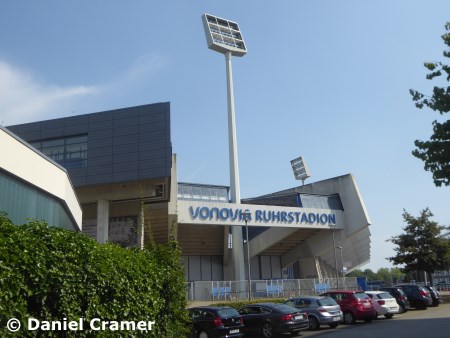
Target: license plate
336,319
298,317
234,331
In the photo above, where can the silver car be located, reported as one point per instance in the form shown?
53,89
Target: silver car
322,310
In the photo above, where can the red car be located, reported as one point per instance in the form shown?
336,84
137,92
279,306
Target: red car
356,305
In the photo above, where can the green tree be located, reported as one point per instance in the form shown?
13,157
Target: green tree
436,152
421,246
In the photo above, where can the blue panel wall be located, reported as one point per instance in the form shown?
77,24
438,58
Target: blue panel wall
123,144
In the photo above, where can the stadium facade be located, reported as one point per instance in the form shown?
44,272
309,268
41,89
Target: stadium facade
124,174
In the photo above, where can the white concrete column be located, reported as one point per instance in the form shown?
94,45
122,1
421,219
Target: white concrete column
102,221
237,252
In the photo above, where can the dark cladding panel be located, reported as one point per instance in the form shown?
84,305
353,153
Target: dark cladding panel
150,127
100,117
122,145
126,157
29,136
77,120
76,129
121,122
101,125
126,139
53,124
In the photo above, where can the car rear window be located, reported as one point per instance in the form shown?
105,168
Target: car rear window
361,295
227,313
384,295
328,301
284,308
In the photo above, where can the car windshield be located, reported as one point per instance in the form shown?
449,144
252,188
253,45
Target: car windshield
384,295
227,313
361,295
328,301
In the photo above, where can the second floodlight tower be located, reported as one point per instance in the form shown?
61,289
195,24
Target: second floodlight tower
224,36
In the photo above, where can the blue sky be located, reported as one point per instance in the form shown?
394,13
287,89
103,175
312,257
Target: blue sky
323,79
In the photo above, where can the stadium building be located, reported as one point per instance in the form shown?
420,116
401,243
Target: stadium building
124,174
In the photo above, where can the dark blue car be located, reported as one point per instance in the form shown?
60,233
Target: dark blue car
216,322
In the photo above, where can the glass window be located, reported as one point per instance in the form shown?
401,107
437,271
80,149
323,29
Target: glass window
70,152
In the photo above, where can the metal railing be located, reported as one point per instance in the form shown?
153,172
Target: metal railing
276,288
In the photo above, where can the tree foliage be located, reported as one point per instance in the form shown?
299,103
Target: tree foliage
388,275
436,152
51,274
421,247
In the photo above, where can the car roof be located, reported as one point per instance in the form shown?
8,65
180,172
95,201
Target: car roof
214,308
343,291
308,297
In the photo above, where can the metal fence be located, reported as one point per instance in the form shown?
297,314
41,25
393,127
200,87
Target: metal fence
279,288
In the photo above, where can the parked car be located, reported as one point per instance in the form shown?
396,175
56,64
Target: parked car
399,296
269,319
216,322
355,305
418,296
384,303
321,310
435,295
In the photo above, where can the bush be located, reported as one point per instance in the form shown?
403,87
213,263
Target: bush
241,303
51,274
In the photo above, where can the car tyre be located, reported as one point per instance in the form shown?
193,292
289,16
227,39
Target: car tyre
421,306
203,334
389,315
313,323
267,330
349,318
334,325
402,309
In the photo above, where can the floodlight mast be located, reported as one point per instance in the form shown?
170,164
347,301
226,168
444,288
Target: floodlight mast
300,169
224,36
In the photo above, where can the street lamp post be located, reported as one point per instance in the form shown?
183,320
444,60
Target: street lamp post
339,246
247,216
335,259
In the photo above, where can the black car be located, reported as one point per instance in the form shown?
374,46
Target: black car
435,295
216,322
399,296
269,319
418,296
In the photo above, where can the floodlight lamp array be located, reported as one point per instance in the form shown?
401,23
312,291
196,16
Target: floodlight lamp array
300,169
223,35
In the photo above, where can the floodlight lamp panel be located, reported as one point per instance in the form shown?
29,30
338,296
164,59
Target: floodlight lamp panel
223,35
300,169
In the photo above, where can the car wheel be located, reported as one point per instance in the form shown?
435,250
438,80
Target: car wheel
389,315
203,334
334,325
402,309
313,323
421,306
348,318
267,330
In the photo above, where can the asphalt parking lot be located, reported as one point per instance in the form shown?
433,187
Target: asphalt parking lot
431,323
